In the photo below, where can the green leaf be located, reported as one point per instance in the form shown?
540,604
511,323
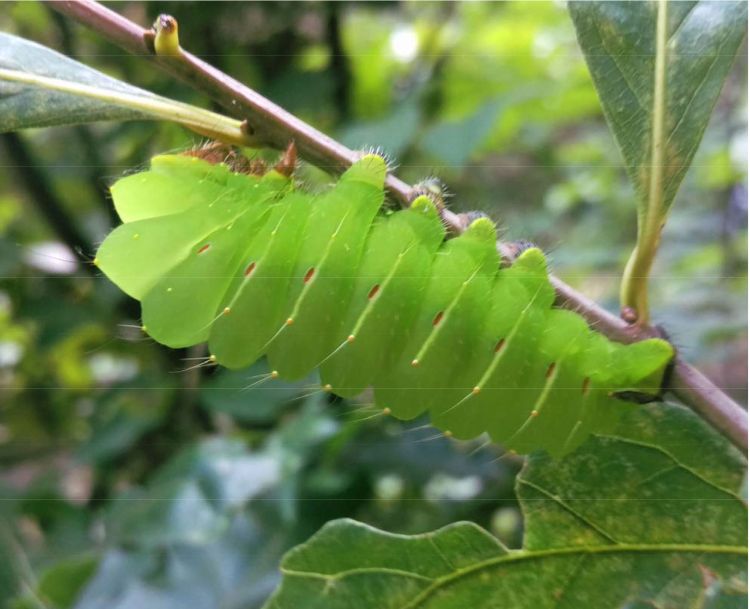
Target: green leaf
638,518
61,584
658,68
658,92
42,88
23,106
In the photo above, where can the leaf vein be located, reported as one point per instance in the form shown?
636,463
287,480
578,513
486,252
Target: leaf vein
356,571
697,91
615,549
592,525
613,57
682,22
679,463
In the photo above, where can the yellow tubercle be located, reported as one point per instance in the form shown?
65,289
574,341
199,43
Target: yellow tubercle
167,39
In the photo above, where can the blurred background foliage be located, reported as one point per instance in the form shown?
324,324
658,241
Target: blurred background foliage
131,478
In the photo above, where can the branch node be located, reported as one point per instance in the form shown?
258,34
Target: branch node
629,315
167,36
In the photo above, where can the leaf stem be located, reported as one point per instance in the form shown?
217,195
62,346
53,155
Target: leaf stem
274,126
266,121
634,289
197,119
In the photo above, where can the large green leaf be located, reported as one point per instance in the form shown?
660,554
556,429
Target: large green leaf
658,68
23,106
41,88
646,517
658,91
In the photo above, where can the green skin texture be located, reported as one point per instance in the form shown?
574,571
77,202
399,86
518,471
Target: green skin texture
371,299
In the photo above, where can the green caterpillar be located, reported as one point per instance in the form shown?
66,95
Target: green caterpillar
373,299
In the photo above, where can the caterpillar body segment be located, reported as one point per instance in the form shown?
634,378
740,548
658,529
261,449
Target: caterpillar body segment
443,337
177,312
259,286
377,299
138,253
327,262
387,295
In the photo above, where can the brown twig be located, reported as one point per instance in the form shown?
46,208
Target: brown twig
267,122
273,126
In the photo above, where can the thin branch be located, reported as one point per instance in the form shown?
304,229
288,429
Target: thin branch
273,126
267,122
